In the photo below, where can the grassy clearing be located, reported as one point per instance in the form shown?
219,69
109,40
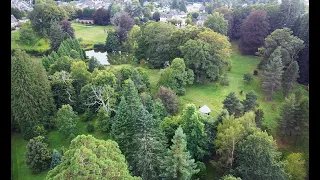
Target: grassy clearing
39,44
91,34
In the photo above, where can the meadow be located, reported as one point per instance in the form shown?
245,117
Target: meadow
38,43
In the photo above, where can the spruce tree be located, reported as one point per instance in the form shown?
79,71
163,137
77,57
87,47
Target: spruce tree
233,105
290,77
55,159
32,100
288,119
178,163
272,75
250,103
259,117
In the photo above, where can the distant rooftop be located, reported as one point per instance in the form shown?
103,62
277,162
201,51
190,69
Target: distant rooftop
205,109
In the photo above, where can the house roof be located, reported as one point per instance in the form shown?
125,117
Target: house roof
13,19
205,109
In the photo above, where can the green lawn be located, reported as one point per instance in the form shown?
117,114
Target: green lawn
40,44
91,34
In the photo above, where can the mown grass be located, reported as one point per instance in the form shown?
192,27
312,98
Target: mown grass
38,43
91,34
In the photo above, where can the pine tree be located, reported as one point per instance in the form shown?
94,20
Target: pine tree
250,103
178,164
233,105
32,100
290,77
259,117
288,118
147,146
182,6
272,75
55,159
302,123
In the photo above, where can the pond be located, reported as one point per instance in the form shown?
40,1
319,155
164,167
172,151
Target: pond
100,56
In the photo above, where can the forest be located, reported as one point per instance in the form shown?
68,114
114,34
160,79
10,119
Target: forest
141,115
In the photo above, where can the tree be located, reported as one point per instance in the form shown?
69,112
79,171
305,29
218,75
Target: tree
16,13
80,74
61,64
253,32
101,17
290,77
37,155
26,34
272,75
92,64
112,43
182,6
207,56
188,21
191,121
124,23
230,132
56,35
176,77
67,28
146,12
259,117
301,30
134,8
32,101
227,16
290,10
55,159
88,157
61,86
178,164
156,16
233,105
217,23
295,167
68,45
230,177
195,15
250,103
44,15
66,120
169,99
131,43
248,78
174,4
153,45
290,47
258,158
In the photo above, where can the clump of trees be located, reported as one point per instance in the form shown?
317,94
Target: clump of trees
217,23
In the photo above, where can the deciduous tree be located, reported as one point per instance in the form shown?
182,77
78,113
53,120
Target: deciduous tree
217,23
169,99
66,120
101,16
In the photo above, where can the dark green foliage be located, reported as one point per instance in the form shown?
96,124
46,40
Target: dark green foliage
26,34
174,4
259,117
154,44
250,103
169,99
68,45
290,10
101,16
44,15
103,120
255,72
182,6
272,75
80,74
253,31
31,95
195,15
66,120
16,13
176,77
61,64
230,177
169,125
90,128
233,105
153,106
87,13
92,63
247,78
56,159
123,23
102,160
258,158
290,77
201,175
178,164
112,43
61,86
38,156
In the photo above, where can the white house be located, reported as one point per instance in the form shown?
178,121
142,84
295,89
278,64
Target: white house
14,21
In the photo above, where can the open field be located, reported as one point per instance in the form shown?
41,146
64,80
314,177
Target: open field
91,34
39,44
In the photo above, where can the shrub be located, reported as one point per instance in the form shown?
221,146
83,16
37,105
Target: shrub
247,78
90,127
255,72
99,46
224,81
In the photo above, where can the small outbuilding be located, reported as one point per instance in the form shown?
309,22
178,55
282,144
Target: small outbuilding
205,109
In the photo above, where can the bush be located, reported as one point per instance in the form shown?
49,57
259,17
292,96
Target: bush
99,46
224,81
247,78
90,127
255,72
